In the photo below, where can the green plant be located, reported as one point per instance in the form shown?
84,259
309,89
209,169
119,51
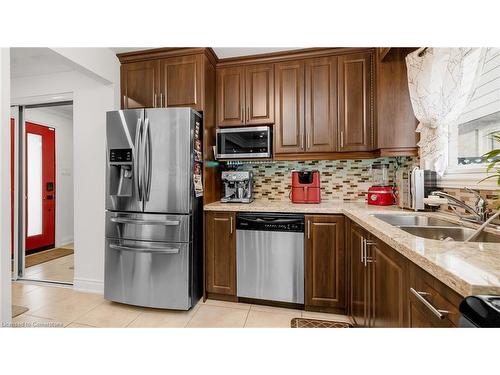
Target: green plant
494,160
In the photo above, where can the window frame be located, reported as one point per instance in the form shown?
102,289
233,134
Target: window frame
460,176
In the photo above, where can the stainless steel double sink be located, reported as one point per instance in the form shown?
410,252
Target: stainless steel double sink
434,228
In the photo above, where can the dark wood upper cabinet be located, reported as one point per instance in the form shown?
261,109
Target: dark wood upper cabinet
289,107
245,95
220,253
139,84
355,90
180,82
358,283
321,104
231,96
396,122
388,286
325,263
259,98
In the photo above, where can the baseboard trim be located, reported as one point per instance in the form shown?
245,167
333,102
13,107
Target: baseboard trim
89,285
64,241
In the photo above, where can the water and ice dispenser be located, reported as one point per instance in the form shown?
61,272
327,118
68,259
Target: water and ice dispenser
121,174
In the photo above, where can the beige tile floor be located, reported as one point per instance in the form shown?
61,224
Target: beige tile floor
60,269
63,307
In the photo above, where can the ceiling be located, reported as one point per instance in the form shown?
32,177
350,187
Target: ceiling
61,110
221,52
129,49
26,62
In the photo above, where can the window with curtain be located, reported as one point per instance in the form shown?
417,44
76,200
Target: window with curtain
481,117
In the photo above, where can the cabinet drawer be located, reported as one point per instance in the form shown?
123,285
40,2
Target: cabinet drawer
431,303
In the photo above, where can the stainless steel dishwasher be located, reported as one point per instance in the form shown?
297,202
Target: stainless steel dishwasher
270,256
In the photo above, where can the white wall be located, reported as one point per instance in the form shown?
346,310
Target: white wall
91,100
98,63
64,167
5,291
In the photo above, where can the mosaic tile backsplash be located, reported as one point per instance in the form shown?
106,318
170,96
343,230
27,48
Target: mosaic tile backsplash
346,180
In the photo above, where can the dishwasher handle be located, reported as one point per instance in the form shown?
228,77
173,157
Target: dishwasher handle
271,220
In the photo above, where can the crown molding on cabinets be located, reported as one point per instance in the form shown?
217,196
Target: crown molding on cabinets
288,55
160,53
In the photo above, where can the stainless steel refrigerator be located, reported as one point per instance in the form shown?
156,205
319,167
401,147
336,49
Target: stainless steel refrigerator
153,251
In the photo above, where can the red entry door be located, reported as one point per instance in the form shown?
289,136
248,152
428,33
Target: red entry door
40,187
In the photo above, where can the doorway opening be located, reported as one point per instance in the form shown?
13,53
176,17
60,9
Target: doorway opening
45,203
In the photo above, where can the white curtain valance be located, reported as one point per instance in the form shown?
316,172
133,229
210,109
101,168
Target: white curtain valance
441,83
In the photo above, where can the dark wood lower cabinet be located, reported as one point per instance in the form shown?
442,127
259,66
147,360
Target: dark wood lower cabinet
358,276
377,281
387,290
325,263
346,268
220,253
388,286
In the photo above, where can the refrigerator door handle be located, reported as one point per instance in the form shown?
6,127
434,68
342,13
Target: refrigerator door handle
147,159
145,222
138,158
164,250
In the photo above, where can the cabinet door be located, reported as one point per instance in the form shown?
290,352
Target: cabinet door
321,104
356,102
388,286
139,84
231,96
259,98
221,253
325,262
180,82
358,275
289,106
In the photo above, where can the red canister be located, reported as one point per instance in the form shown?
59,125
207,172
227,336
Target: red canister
381,195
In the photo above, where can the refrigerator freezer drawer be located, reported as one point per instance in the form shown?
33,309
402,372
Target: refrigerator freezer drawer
150,274
147,227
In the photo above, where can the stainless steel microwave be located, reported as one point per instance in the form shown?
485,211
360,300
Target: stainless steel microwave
250,142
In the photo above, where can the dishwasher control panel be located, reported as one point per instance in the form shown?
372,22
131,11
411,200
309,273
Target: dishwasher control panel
270,222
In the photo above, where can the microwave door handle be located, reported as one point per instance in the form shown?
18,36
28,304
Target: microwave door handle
137,159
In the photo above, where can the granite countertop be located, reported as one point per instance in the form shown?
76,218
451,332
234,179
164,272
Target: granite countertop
468,268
